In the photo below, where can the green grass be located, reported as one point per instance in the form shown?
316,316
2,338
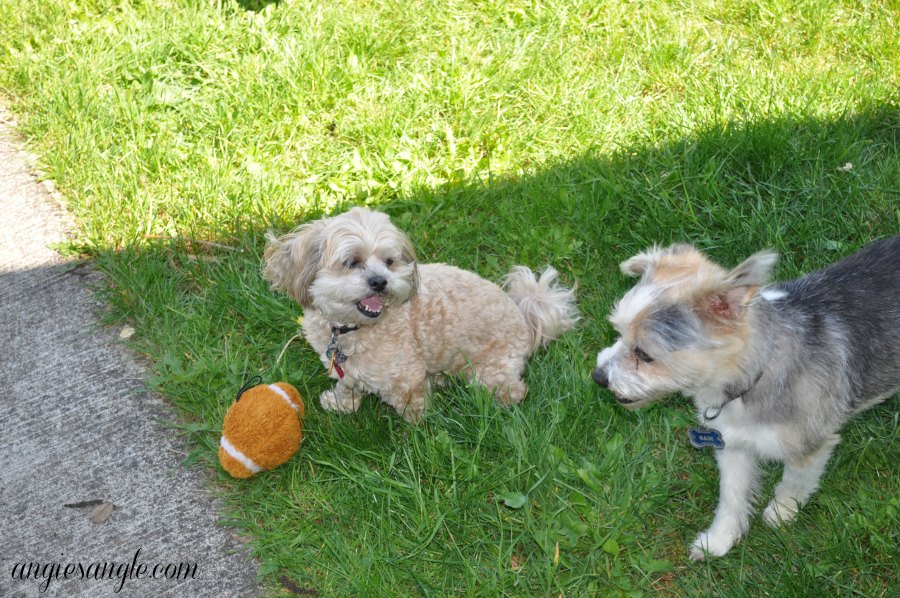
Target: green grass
495,133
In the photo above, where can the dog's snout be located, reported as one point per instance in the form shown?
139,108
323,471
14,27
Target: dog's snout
377,283
600,377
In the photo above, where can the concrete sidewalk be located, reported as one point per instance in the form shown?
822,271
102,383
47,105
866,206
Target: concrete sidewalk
75,426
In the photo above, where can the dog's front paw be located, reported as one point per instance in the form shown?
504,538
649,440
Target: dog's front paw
711,544
779,512
413,416
331,401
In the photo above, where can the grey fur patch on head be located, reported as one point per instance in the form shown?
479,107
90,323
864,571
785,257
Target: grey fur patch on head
674,327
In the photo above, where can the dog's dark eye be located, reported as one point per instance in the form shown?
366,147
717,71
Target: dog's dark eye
352,263
389,262
640,354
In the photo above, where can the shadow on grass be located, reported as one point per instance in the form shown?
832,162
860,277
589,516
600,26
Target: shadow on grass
619,492
256,5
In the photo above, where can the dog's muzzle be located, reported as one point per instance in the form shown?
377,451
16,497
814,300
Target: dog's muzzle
600,376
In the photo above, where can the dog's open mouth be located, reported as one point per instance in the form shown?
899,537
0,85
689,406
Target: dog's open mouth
370,306
622,400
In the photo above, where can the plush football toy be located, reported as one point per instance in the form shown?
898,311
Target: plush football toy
262,429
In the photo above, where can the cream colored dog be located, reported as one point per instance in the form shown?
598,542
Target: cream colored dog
384,324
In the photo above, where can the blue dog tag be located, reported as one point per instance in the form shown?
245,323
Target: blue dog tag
703,438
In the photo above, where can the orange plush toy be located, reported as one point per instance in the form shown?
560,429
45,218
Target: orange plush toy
262,429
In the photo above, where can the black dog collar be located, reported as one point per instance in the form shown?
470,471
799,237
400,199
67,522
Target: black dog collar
712,413
338,330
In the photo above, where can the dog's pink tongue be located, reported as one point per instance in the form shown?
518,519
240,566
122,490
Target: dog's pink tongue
372,303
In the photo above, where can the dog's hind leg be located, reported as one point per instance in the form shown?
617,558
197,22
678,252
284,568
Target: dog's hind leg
801,478
737,484
503,377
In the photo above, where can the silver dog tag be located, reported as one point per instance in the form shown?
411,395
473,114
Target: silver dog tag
334,349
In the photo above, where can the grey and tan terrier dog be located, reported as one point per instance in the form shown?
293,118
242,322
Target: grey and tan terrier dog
775,371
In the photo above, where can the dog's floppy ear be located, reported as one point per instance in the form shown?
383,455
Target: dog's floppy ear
408,255
741,284
639,264
292,261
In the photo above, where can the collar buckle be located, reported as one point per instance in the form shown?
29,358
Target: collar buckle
711,413
338,330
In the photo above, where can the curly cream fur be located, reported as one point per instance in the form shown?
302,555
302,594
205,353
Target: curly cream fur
436,319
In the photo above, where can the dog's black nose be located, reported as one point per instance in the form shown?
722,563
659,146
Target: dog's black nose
600,377
377,283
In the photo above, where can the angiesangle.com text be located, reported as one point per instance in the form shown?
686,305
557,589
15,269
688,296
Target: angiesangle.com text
47,573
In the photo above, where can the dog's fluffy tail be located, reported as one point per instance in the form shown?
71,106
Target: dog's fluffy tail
548,307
